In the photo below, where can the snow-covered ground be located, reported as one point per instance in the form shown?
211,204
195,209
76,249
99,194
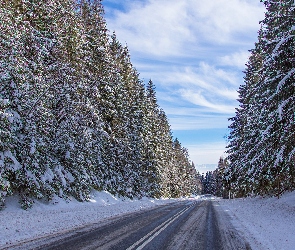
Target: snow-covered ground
44,219
267,223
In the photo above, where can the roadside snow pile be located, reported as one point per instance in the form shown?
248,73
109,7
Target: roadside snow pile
270,221
58,215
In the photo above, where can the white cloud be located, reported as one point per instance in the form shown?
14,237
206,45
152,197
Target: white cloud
187,122
208,153
237,59
199,99
194,51
166,36
222,20
169,28
157,27
204,76
212,89
195,118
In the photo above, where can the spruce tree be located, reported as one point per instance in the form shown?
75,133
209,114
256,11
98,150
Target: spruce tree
27,66
262,133
74,114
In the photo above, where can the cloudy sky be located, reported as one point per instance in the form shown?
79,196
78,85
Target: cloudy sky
195,52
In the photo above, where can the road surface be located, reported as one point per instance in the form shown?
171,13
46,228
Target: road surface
182,225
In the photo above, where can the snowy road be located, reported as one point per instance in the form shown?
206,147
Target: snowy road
180,225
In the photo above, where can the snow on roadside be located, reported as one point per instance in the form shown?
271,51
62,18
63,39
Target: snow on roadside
269,221
59,215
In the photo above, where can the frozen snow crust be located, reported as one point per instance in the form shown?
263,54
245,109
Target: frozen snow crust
268,223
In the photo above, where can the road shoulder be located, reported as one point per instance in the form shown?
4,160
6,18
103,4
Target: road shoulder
233,234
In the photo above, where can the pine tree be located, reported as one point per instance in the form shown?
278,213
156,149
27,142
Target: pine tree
74,114
262,133
25,65
8,162
278,71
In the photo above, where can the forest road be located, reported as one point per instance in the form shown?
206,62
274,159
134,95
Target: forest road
195,224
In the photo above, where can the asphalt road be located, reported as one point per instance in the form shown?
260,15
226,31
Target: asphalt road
180,226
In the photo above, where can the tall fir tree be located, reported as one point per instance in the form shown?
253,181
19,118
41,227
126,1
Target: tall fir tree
74,114
262,133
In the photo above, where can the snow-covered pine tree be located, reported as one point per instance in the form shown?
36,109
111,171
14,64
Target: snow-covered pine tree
9,117
279,79
197,184
96,92
152,140
221,185
41,82
245,131
121,119
27,64
81,134
180,175
260,144
74,114
165,153
8,162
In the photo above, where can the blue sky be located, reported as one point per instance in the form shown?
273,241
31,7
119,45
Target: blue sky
195,52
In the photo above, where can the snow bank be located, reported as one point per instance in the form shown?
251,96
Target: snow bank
267,223
270,221
58,215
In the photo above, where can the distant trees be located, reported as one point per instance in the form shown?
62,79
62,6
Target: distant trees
74,115
214,182
209,183
222,187
262,138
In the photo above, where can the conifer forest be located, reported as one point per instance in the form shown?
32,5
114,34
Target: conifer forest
261,143
75,115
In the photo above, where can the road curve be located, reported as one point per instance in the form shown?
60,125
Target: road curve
182,225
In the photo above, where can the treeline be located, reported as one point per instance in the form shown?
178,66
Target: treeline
262,134
213,182
74,114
